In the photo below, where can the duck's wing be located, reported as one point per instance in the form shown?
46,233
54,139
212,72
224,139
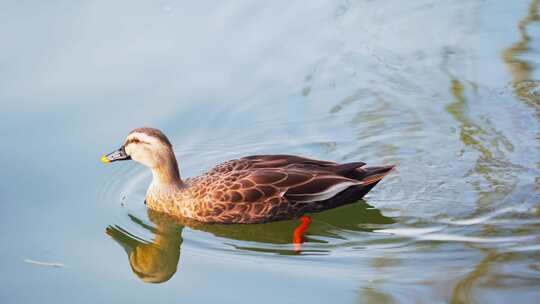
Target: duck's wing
298,162
281,160
252,163
261,178
292,184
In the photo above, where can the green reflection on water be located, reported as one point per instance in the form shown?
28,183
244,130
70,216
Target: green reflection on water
462,292
492,163
520,69
371,295
156,261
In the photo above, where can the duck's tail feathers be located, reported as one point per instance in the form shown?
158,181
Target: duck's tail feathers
371,175
346,169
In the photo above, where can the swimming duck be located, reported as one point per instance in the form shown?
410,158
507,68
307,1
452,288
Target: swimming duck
252,189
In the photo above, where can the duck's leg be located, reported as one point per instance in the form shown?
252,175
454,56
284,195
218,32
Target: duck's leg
299,232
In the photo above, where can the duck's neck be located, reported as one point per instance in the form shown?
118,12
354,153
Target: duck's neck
167,174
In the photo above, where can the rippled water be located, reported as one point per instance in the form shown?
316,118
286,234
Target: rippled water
449,91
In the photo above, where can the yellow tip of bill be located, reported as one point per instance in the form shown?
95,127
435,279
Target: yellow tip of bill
104,159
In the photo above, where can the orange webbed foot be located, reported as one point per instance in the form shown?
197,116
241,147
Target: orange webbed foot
299,232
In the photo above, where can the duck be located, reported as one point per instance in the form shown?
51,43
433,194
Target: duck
248,190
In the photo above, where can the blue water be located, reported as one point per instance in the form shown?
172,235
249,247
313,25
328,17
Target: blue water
449,91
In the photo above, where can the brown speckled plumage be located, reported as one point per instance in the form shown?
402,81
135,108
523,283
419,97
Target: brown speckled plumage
264,188
251,189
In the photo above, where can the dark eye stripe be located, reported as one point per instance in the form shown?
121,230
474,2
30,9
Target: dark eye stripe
135,141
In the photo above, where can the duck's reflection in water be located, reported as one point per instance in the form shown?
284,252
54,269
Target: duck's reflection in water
156,261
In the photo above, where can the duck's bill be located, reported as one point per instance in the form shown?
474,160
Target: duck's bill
117,155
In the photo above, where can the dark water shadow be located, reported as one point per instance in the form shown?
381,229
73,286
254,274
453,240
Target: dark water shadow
156,261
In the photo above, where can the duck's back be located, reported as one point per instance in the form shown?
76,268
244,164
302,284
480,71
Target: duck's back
265,188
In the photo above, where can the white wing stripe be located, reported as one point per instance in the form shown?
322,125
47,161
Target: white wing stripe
324,195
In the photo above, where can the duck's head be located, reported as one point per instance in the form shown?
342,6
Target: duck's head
147,146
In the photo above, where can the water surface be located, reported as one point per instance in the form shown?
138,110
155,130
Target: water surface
449,91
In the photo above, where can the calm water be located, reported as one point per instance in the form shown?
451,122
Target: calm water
447,90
